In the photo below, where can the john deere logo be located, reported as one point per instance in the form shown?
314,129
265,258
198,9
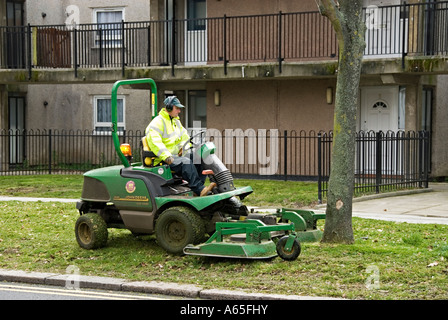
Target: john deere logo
130,186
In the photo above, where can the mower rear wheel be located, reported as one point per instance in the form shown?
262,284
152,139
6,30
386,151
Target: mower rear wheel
177,227
288,254
91,231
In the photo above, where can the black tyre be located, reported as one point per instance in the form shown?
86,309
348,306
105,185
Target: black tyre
177,227
91,231
291,254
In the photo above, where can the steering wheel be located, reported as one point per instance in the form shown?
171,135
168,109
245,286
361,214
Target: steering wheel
193,145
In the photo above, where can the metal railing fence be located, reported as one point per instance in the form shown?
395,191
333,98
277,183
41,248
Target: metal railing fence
384,160
400,30
49,151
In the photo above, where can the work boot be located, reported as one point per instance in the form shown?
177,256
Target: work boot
206,190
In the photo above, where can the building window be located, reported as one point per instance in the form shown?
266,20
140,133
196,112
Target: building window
13,41
103,114
14,13
16,108
197,108
109,27
196,14
380,105
426,109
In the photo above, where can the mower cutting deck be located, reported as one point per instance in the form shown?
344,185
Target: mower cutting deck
256,237
248,239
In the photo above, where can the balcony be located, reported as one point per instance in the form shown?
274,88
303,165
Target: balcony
409,38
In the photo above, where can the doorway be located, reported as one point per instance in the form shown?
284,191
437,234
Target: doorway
196,32
15,35
195,101
379,112
16,112
386,23
379,108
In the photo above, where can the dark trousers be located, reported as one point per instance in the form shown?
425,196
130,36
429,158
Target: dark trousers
185,167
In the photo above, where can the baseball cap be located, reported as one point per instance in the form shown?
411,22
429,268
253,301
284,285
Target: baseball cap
173,101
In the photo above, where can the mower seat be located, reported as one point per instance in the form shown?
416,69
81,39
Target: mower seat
148,160
147,155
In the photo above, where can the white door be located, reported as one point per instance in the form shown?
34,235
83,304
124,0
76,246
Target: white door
379,108
385,28
196,32
379,112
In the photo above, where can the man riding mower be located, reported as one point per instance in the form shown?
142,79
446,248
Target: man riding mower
149,197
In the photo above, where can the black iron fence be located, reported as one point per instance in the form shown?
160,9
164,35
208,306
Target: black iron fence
384,161
25,152
400,30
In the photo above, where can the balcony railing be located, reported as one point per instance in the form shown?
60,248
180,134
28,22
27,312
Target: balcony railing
408,29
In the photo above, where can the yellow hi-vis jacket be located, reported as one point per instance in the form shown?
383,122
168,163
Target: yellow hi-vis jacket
165,136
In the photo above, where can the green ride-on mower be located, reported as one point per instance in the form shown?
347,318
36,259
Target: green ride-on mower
148,199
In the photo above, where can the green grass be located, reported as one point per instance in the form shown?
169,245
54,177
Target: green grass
45,186
408,260
273,193
266,192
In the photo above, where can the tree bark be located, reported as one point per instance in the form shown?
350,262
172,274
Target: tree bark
346,18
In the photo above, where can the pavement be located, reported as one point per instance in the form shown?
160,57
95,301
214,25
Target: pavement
412,206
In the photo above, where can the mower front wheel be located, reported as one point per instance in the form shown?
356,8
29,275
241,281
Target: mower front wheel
288,254
91,231
177,227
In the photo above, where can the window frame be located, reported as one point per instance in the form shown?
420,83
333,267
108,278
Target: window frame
192,110
194,22
111,41
101,124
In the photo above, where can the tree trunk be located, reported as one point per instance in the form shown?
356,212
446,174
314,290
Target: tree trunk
346,18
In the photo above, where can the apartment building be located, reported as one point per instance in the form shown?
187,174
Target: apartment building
257,64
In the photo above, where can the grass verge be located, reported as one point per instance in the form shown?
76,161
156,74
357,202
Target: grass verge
267,193
387,261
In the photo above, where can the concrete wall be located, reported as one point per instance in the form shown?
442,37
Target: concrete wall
440,129
71,107
217,8
55,10
270,104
